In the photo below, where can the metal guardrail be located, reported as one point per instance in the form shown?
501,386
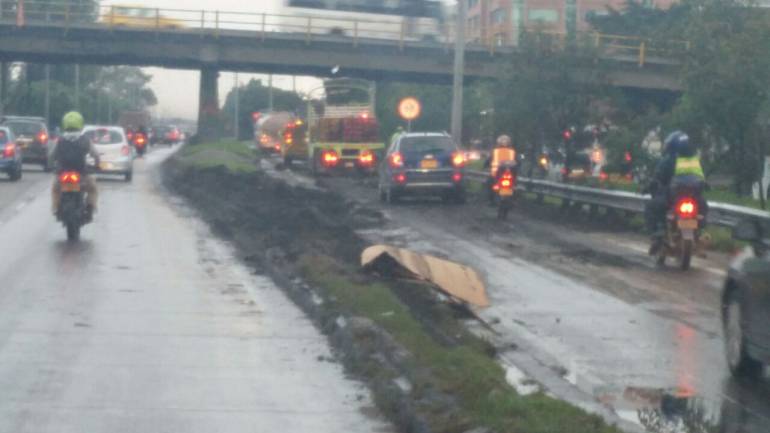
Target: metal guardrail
311,26
721,214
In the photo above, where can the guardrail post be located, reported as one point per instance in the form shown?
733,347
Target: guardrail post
355,33
597,39
308,34
157,20
216,24
642,53
112,17
203,22
67,18
401,36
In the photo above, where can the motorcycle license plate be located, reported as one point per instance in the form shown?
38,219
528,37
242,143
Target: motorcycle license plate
70,187
690,224
429,163
506,192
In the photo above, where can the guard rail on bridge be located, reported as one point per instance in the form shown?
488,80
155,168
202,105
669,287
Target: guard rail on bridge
721,214
312,25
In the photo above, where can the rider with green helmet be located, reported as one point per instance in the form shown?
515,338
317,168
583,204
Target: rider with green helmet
70,155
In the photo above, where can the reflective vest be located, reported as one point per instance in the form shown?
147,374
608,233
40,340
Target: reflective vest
689,166
499,155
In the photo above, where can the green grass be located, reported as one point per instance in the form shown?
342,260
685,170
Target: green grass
235,156
465,371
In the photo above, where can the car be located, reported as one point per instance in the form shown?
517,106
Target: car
423,164
166,135
32,137
746,302
10,155
116,154
138,16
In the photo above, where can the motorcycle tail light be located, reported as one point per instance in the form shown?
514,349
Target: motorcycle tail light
9,151
687,208
457,177
69,177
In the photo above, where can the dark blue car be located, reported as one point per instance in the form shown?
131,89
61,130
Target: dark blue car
425,164
10,155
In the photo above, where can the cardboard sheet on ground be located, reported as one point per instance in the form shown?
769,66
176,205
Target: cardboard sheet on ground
456,280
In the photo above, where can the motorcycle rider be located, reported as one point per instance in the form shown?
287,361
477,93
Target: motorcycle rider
69,154
502,154
679,170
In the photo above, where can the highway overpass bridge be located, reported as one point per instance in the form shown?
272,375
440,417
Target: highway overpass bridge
290,51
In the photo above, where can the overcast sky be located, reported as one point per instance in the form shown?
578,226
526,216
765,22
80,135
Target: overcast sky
177,90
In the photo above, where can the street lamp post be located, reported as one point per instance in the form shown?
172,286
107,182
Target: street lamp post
459,69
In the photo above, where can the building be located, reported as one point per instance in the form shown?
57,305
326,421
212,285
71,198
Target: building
500,21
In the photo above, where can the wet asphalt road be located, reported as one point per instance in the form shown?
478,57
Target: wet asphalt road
150,325
588,315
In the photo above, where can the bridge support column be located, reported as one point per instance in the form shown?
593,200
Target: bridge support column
209,119
3,86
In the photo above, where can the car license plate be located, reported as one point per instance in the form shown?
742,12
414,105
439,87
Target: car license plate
429,163
70,187
350,164
688,224
578,172
105,166
506,192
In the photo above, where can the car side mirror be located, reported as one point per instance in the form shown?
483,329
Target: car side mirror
747,231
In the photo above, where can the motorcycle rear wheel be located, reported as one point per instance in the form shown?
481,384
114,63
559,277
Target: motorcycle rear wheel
685,257
73,232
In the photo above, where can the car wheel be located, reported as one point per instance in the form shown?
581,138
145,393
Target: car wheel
381,192
16,174
47,166
390,196
129,176
738,359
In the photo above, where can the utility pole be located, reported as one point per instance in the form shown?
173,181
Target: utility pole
270,93
77,87
459,70
237,103
3,86
47,102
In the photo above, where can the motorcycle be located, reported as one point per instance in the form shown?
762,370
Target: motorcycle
504,188
140,143
72,212
683,236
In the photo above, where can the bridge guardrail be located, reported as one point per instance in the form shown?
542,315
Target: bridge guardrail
721,214
403,30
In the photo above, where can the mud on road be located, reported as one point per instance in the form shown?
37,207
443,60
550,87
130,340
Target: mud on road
282,229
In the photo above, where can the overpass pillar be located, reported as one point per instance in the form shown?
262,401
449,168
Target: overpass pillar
3,86
209,120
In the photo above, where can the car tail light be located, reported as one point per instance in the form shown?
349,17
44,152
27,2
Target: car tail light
329,158
603,176
9,151
366,157
277,147
69,177
396,160
288,138
458,159
457,177
400,178
125,151
42,138
564,171
687,208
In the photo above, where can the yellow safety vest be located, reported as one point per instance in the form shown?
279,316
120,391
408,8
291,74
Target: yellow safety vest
689,166
499,155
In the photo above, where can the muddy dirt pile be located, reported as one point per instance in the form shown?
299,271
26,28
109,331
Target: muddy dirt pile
274,226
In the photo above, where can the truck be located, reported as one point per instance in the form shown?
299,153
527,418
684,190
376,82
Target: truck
344,138
282,132
135,120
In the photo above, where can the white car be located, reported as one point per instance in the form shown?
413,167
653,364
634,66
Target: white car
115,153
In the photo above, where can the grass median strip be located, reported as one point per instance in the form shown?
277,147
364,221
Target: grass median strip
236,156
465,370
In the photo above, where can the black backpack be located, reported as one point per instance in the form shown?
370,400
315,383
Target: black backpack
71,154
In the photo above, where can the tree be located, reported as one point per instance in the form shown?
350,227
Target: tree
547,88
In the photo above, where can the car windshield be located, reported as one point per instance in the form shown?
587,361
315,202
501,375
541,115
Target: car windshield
427,144
24,128
104,136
